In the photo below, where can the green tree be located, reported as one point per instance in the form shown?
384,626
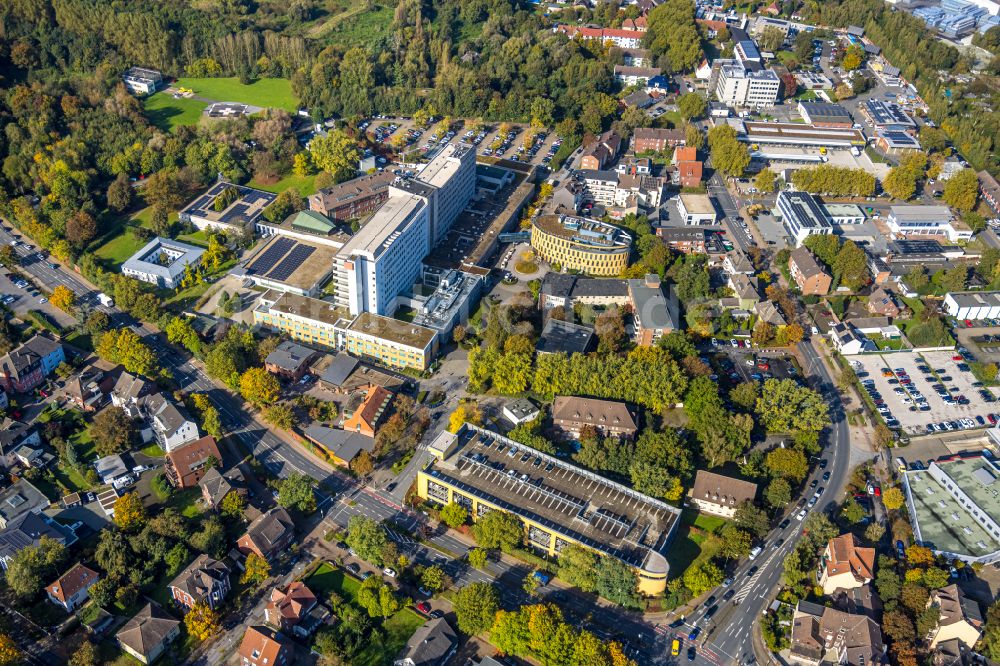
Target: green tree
778,493
771,38
296,491
32,567
454,515
434,578
852,512
125,347
787,464
256,570
700,578
113,431
692,106
259,387
498,529
477,558
900,183
617,582
752,519
367,538
578,567
765,181
336,153
961,190
736,543
785,406
476,607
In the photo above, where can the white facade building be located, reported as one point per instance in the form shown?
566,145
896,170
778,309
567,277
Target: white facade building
926,221
162,262
973,304
452,174
739,85
802,215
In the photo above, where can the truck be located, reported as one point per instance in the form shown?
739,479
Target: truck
105,300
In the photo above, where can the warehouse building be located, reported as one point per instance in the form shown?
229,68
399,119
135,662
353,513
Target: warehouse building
972,304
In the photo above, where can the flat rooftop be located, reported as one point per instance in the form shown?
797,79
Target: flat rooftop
584,506
393,217
585,231
943,523
697,203
887,113
844,210
444,165
244,211
303,306
292,262
798,133
805,208
394,330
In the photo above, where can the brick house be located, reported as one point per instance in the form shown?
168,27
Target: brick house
601,152
807,273
269,535
204,580
26,367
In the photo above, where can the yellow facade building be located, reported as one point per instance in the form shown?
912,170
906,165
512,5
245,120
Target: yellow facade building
581,244
388,341
559,504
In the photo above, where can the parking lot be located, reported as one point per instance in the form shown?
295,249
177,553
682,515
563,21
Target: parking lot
734,365
926,392
486,142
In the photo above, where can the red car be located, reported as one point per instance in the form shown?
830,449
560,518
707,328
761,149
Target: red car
957,358
968,324
765,366
992,419
424,607
878,492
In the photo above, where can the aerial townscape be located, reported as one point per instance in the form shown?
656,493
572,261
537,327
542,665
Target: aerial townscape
500,332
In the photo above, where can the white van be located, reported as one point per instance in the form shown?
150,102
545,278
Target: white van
755,552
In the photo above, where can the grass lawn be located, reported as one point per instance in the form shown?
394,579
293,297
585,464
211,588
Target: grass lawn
153,450
360,30
673,116
265,93
122,245
327,579
81,340
69,478
186,502
168,113
398,630
304,184
806,96
694,542
189,296
197,238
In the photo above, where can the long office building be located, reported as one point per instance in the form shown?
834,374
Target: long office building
383,259
452,174
802,215
558,504
388,341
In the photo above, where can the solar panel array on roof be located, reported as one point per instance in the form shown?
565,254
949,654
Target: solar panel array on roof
234,214
899,138
271,255
291,262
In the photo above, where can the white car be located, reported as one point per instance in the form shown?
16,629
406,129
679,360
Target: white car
391,573
800,515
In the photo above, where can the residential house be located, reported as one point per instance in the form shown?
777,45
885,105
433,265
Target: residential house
27,530
14,435
651,139
720,495
88,389
364,411
688,168
846,564
827,634
216,485
205,580
262,646
188,463
110,468
268,535
811,278
149,632
520,410
573,415
745,287
738,262
601,152
654,309
989,188
952,653
960,618
858,601
128,391
171,427
432,644
630,75
686,240
26,367
290,360
33,455
638,24
72,588
847,340
769,313
881,302
19,499
294,607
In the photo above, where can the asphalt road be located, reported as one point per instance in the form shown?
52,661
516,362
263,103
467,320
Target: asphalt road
726,638
731,214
